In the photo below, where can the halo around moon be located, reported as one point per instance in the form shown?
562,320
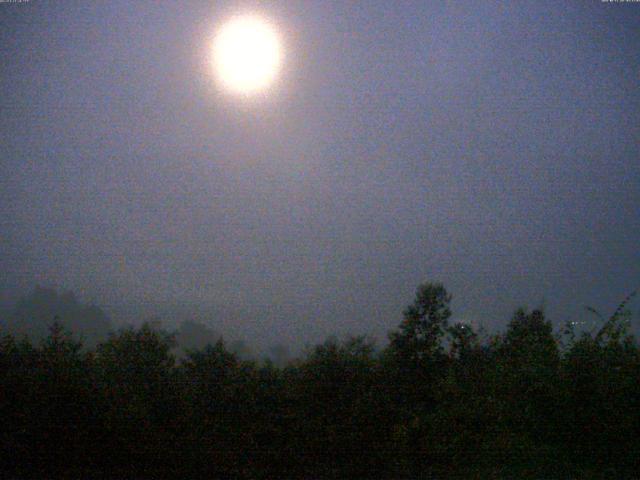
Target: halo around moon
246,54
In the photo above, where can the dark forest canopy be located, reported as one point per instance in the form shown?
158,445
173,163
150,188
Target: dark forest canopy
441,400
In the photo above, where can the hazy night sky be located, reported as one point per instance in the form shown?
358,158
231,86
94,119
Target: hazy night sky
493,146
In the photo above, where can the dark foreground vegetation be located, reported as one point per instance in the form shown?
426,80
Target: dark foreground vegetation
440,401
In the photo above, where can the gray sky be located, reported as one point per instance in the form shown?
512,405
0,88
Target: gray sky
493,146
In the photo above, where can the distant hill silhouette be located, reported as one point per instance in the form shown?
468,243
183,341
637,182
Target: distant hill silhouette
35,313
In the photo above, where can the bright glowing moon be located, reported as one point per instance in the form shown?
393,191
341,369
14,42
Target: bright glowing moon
247,54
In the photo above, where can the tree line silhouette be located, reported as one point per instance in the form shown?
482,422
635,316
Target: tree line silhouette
440,400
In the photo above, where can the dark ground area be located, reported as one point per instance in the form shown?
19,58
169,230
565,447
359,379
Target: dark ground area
440,401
